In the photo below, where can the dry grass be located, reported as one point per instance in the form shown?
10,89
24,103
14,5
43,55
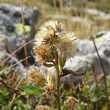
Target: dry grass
64,14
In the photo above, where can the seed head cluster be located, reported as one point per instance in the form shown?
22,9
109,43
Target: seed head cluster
43,54
48,32
54,45
66,45
37,77
52,35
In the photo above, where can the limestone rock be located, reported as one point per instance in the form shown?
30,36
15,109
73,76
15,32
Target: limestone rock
11,26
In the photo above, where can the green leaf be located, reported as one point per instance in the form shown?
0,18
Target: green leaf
32,89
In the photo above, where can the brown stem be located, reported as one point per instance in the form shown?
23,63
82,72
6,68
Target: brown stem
25,50
94,74
103,69
58,82
16,91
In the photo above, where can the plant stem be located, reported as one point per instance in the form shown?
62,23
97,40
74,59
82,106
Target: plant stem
103,69
58,90
94,75
57,81
25,49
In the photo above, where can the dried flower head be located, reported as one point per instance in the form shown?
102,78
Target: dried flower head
37,77
72,102
50,88
48,32
66,45
43,54
41,36
55,25
43,107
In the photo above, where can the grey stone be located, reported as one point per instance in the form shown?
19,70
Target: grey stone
11,26
95,12
5,52
80,20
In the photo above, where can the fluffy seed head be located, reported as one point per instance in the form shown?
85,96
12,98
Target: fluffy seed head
52,34
66,45
48,32
37,77
41,36
43,54
55,25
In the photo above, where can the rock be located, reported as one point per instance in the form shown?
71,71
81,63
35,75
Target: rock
79,21
11,26
5,52
94,12
3,55
30,14
4,47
